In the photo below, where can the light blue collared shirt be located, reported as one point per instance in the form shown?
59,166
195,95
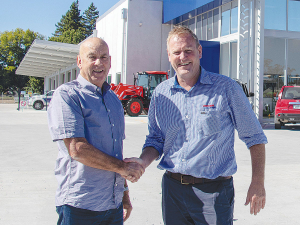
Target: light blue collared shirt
193,131
80,109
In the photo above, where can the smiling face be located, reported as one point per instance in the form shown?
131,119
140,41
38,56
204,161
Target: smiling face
94,61
184,56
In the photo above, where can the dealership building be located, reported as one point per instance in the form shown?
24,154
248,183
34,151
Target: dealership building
255,41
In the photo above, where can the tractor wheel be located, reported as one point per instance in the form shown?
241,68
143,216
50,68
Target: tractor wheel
38,105
134,107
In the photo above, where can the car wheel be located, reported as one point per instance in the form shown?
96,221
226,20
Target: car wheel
277,125
38,105
134,107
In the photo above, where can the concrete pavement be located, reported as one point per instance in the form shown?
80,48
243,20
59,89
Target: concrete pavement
27,182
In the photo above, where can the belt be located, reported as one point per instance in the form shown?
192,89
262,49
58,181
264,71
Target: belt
187,179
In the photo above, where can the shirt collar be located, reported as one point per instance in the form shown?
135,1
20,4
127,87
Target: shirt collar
91,87
204,78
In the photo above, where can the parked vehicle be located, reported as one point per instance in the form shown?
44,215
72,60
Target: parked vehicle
136,98
287,109
38,102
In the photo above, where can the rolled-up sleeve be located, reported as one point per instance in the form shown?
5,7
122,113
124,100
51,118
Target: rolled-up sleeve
65,117
155,138
243,117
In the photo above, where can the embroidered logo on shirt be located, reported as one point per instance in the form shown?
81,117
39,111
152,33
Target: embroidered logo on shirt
209,106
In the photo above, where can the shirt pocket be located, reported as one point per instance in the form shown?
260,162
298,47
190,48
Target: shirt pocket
209,123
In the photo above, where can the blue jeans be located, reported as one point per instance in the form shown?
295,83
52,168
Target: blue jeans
69,215
208,203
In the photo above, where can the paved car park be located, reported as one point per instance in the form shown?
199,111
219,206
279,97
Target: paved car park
27,182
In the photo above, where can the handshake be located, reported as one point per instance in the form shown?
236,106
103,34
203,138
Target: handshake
133,169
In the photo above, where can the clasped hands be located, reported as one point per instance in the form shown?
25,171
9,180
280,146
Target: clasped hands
133,169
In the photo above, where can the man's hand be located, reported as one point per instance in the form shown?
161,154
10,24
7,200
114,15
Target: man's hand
127,207
132,171
256,197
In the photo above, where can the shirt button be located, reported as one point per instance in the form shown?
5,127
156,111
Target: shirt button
183,160
116,154
116,185
113,125
108,110
187,116
115,140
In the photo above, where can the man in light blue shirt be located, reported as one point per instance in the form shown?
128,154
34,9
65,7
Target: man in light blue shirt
192,120
86,120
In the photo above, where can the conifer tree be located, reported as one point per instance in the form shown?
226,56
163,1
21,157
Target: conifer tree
90,17
72,20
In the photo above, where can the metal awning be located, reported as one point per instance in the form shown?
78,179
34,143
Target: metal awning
47,57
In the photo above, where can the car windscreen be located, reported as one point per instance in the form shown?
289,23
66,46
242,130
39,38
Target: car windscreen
291,93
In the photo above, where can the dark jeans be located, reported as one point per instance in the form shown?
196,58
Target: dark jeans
209,203
69,215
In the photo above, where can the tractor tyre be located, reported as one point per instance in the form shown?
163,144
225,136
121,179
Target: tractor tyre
134,107
38,105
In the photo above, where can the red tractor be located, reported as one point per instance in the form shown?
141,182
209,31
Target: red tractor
136,98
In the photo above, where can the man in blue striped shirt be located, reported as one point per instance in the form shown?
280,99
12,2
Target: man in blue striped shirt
192,120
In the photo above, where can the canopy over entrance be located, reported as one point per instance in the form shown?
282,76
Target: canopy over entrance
47,57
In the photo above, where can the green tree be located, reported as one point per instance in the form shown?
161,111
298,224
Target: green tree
13,47
70,36
35,84
74,28
90,17
72,20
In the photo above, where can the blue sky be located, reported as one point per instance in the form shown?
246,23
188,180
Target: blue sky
42,15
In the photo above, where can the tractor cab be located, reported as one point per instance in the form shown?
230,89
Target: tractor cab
149,80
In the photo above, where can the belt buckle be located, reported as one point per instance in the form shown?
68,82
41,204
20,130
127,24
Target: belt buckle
181,180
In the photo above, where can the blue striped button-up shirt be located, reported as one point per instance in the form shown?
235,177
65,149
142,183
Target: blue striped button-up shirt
80,109
193,130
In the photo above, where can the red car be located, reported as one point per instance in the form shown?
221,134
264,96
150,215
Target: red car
287,109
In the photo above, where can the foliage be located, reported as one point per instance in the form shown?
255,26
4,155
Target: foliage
13,47
70,36
73,27
71,21
90,17
35,84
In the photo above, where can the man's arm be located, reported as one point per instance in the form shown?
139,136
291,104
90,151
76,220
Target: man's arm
148,155
256,194
80,150
127,207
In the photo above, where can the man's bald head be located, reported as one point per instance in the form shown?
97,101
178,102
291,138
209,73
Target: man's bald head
94,60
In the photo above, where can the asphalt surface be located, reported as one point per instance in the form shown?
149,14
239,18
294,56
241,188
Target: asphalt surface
27,182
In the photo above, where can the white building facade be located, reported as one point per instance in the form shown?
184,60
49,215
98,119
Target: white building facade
255,41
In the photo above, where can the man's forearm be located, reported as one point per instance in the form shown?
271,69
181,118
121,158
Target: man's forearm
80,150
258,159
148,155
87,154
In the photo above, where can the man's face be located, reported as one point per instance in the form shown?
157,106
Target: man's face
94,61
184,56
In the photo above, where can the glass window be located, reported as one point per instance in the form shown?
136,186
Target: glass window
275,14
204,26
274,63
225,20
209,25
233,58
199,27
224,59
234,20
192,24
293,67
216,23
294,16
185,23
